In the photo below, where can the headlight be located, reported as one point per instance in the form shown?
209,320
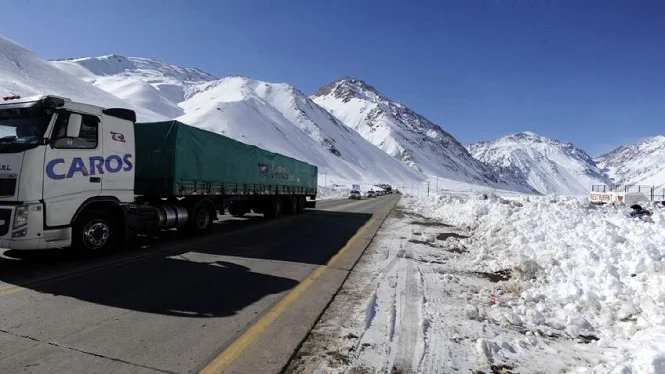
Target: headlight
21,216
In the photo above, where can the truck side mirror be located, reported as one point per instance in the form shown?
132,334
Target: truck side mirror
74,125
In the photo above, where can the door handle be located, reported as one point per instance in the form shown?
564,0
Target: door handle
95,179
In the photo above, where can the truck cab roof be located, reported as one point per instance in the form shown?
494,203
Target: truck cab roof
53,101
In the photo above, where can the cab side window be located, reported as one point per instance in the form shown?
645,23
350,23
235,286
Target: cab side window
87,138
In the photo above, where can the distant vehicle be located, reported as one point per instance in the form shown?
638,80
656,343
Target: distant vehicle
354,195
371,194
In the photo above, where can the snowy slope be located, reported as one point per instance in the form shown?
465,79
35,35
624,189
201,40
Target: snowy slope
549,166
642,163
276,117
280,118
485,285
26,74
151,84
406,135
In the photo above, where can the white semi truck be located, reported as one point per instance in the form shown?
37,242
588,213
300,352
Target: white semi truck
82,176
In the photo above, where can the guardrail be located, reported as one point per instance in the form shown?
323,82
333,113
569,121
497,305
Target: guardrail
654,194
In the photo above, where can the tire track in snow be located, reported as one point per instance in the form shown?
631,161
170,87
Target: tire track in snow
409,337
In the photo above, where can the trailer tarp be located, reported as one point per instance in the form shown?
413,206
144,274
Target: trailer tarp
175,159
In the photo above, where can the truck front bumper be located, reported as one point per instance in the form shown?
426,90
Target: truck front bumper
22,227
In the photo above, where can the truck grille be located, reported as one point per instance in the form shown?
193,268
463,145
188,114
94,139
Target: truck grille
7,186
5,221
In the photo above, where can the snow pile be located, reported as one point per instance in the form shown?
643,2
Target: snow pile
24,73
548,165
642,163
579,271
326,193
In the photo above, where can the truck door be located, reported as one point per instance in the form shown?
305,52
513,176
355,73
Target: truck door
73,169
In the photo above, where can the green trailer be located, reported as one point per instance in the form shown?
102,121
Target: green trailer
174,159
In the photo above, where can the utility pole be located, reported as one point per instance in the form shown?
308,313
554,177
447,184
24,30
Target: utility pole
437,184
427,188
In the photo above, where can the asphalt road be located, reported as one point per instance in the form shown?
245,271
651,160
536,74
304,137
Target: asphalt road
168,304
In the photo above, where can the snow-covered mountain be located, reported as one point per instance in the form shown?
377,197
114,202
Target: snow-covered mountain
548,165
151,84
26,74
273,116
280,118
406,135
642,163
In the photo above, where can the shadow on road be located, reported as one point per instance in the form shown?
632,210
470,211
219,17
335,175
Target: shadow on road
207,280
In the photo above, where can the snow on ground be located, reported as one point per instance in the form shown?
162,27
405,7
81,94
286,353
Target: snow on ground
483,284
326,193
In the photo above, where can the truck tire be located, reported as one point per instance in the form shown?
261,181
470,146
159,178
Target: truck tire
94,231
291,205
301,204
200,218
274,208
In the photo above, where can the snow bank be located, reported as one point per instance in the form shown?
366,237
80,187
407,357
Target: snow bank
579,270
325,193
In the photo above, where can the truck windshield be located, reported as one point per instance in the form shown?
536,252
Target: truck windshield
22,129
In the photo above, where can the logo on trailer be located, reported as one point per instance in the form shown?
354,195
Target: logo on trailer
58,169
5,168
263,170
118,137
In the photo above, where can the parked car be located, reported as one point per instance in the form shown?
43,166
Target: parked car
354,195
371,194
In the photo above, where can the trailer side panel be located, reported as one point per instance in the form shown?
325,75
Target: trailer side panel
176,159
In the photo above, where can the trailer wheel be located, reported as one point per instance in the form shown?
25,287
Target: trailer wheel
94,231
301,204
200,219
274,208
291,205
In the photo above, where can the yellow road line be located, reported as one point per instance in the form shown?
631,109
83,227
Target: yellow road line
233,351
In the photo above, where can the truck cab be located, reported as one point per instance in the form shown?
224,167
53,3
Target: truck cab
59,159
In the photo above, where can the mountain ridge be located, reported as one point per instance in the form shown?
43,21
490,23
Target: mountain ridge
406,135
548,165
641,163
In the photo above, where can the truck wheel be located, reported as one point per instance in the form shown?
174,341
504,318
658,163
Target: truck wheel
291,205
301,204
274,208
93,231
200,219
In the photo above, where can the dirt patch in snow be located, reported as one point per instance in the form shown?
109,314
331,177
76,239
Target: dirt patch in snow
495,277
430,223
498,369
446,235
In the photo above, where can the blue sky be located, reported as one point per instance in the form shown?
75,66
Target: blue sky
585,71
